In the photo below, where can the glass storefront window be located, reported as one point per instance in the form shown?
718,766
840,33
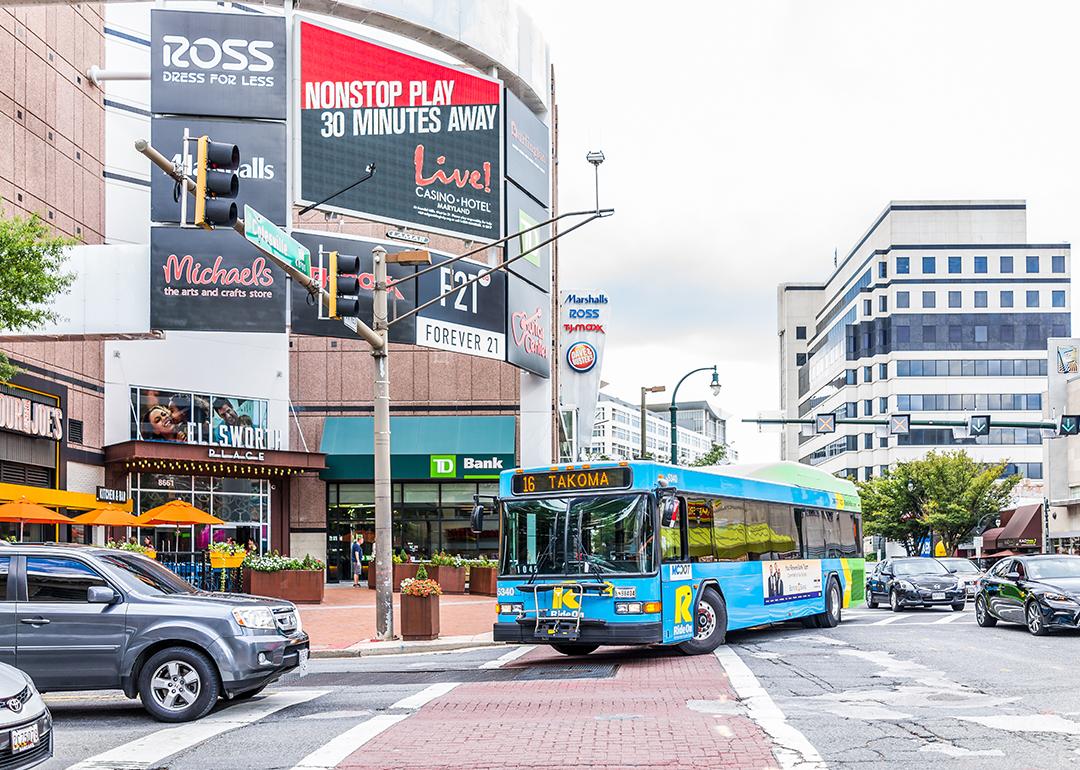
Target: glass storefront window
458,493
355,493
422,493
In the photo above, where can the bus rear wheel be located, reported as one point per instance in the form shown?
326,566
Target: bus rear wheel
574,648
710,624
834,601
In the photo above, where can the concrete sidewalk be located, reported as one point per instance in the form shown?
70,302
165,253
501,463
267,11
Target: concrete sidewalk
343,625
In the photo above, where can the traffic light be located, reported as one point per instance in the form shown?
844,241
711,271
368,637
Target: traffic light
215,183
1069,425
344,286
979,425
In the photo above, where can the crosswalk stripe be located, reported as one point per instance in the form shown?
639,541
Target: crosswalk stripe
426,695
340,748
888,620
151,750
948,619
507,657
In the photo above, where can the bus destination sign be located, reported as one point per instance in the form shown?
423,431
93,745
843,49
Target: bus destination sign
571,481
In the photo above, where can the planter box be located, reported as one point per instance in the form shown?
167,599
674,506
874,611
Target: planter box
482,581
295,585
401,571
419,617
226,560
450,579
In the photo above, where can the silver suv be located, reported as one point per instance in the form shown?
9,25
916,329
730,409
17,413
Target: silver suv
84,618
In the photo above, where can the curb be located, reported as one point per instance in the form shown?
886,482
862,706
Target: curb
399,648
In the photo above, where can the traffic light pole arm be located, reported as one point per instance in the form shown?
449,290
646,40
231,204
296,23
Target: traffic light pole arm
371,336
920,423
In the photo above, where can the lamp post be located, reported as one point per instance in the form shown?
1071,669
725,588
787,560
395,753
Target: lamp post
644,390
674,410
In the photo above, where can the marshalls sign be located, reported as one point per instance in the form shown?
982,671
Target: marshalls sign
433,132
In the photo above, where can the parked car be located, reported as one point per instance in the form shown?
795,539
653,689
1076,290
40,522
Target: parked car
86,618
1041,592
913,582
966,571
26,738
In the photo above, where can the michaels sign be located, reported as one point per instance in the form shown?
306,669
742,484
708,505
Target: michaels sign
225,64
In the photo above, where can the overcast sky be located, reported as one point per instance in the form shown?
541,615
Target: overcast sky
747,141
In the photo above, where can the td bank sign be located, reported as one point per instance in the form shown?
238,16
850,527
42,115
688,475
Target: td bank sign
469,466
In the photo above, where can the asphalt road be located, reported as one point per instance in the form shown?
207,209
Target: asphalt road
885,689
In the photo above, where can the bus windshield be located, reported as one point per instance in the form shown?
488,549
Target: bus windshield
600,534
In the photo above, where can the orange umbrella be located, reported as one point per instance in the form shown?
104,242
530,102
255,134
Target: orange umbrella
26,512
178,512
107,516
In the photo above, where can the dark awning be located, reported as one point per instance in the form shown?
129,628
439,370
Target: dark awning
1024,527
990,537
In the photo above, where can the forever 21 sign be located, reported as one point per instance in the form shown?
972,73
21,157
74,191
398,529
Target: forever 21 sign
471,318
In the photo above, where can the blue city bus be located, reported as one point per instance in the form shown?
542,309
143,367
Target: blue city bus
637,553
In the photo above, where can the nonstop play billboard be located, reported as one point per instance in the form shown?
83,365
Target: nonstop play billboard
434,133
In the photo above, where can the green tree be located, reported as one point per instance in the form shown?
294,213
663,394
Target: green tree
32,262
946,493
714,456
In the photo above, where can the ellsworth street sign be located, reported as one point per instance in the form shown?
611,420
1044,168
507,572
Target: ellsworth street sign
275,241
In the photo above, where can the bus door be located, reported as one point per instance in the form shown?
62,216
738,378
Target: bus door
676,571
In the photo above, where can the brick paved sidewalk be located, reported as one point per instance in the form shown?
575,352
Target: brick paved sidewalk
346,617
661,710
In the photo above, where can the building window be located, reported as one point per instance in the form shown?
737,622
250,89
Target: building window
882,270
1006,264
800,332
868,472
929,299
1057,264
980,264
954,299
929,264
980,299
929,334
1006,299
883,304
1057,299
980,334
868,441
903,265
868,374
800,359
1033,299
883,371
850,377
868,407
956,333
883,405
954,264
1033,264
903,299
867,307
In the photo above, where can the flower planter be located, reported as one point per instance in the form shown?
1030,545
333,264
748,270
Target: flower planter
482,581
401,571
450,579
226,560
295,585
419,617
150,553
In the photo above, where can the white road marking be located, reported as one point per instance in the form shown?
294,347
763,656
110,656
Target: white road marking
340,748
1028,723
959,751
332,754
888,620
508,657
792,749
426,695
947,619
153,749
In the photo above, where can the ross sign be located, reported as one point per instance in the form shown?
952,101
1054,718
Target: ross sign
212,280
401,297
522,212
262,169
583,316
108,495
273,240
528,321
528,150
471,319
469,466
228,64
570,480
434,133
22,415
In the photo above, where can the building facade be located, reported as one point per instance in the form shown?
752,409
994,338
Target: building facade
942,310
617,430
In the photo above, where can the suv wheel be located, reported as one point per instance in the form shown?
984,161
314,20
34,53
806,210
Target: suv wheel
178,684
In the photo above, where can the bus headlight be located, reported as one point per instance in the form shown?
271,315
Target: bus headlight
627,608
511,609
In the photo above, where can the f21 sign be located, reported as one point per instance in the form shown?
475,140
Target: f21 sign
433,132
471,318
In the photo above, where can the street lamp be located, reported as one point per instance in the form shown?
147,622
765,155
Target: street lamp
644,390
674,410
596,157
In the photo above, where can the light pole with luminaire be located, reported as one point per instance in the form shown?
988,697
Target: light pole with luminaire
644,390
715,385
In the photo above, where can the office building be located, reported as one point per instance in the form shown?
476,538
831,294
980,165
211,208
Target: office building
617,431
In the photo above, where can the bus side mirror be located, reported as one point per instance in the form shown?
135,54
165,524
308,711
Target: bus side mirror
478,518
669,511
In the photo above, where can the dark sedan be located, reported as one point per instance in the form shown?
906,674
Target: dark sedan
913,582
1040,592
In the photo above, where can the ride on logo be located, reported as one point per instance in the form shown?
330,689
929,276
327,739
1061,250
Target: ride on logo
443,466
684,615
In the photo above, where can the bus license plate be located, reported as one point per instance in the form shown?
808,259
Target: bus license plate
24,738
937,597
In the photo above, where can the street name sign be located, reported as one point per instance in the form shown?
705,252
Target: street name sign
270,238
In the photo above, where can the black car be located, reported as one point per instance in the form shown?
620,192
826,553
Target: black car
1041,592
913,582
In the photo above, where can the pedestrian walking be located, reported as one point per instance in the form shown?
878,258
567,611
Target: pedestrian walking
357,557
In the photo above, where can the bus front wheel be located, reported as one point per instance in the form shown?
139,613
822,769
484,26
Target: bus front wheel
710,624
574,648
